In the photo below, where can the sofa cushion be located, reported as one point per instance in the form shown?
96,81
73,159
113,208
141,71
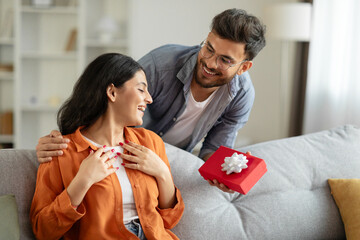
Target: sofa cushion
291,201
9,222
346,193
18,176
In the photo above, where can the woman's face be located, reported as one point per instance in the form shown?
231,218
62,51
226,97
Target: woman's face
131,99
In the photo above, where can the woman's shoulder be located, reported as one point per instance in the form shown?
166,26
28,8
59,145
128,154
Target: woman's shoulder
145,133
65,158
148,139
72,140
73,150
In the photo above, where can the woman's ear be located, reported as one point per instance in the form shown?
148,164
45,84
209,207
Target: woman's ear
111,93
244,67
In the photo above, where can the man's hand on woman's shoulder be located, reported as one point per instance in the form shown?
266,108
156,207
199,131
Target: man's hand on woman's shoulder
50,146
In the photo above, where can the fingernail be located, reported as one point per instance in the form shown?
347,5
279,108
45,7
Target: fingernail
104,146
116,157
112,150
123,164
67,140
118,153
117,168
126,141
121,144
63,145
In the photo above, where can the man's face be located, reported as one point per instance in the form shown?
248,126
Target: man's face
207,72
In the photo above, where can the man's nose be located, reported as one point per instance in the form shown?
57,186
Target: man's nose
212,62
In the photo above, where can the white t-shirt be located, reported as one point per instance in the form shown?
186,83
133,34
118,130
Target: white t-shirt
180,134
129,208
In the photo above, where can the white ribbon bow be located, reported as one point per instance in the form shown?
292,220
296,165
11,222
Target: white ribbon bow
235,163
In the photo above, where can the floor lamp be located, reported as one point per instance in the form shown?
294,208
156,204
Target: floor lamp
288,22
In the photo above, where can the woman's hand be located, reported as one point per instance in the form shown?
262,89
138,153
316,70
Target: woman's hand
93,169
97,166
145,160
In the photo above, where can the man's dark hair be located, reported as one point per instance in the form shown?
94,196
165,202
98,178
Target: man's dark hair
89,100
237,25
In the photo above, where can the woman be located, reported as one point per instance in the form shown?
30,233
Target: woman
77,195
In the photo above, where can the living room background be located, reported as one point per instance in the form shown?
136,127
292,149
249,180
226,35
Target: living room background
49,47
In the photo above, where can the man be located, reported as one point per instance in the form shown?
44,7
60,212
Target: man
198,92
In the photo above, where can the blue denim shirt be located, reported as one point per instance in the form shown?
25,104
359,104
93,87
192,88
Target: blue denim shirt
169,71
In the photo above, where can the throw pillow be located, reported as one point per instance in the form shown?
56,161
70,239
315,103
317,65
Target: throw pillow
9,220
346,193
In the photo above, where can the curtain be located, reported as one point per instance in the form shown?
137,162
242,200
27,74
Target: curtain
333,85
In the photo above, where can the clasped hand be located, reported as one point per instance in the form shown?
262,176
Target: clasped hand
145,160
97,165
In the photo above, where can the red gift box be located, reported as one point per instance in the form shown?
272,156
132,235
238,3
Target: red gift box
240,182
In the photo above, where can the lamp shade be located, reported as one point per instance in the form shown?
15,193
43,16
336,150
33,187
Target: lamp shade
289,21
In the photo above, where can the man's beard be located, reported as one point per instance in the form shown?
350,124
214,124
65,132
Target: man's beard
217,83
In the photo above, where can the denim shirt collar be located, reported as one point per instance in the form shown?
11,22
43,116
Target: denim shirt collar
186,73
222,98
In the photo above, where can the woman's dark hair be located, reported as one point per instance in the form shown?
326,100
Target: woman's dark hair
89,100
238,26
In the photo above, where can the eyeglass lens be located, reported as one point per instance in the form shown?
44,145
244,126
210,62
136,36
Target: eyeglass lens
221,63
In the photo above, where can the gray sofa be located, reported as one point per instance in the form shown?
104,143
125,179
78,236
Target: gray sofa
291,201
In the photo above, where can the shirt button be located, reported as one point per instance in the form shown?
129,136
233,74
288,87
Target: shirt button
161,133
136,185
140,207
174,119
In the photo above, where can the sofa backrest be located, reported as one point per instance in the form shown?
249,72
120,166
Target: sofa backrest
291,201
18,177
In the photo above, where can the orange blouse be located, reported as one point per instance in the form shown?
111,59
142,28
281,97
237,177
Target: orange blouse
100,215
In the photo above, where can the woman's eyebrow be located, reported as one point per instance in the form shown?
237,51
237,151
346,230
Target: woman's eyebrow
142,83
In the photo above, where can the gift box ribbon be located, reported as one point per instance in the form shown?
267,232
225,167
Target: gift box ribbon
234,164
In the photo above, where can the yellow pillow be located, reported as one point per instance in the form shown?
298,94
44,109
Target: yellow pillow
346,193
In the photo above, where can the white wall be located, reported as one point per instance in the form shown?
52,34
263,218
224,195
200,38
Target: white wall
157,22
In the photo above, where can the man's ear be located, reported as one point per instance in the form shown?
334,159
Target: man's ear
244,67
111,93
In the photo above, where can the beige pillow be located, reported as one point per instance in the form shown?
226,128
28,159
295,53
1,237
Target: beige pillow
346,193
9,221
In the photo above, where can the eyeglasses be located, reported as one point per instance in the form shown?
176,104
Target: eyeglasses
222,62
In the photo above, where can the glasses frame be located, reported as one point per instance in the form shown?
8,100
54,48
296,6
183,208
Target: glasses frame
203,43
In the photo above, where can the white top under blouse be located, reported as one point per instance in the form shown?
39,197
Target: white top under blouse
129,208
